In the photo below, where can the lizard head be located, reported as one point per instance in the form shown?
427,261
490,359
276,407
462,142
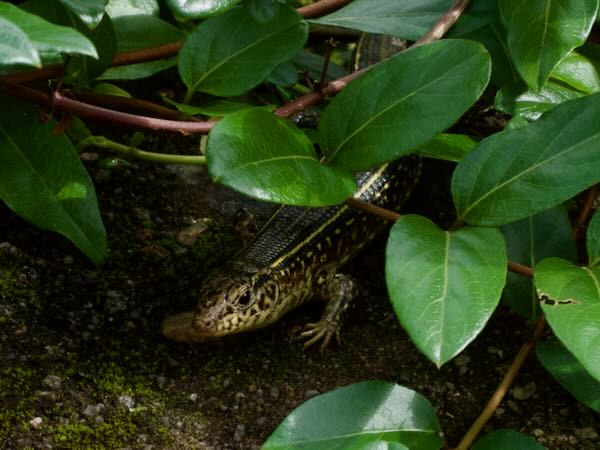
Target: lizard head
227,305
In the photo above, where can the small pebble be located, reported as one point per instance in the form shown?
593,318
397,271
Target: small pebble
127,401
69,259
52,381
239,432
524,392
193,397
36,422
274,392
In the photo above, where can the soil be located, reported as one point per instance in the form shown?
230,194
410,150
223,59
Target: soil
83,364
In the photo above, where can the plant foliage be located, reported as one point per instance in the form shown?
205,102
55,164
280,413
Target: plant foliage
532,61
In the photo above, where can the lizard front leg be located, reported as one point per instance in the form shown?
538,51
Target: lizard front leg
338,292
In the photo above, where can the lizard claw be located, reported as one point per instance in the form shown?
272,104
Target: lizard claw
314,332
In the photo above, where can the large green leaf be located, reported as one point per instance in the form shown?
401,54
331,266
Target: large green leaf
507,440
481,22
89,11
47,38
541,33
15,47
408,19
138,32
144,31
230,54
81,69
520,172
528,241
42,179
266,157
571,302
565,368
118,8
195,9
593,240
517,100
444,285
388,111
449,147
579,71
262,11
359,415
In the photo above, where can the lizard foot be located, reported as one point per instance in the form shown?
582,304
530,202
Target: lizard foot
325,330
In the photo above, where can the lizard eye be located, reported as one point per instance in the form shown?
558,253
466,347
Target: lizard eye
244,299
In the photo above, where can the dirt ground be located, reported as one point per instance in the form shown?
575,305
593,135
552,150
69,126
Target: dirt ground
83,364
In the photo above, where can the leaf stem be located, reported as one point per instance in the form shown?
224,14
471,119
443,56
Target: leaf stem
128,150
503,387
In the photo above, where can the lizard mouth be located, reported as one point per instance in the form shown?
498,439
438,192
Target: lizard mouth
181,328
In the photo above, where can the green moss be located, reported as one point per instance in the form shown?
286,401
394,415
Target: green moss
113,379
15,288
17,399
119,429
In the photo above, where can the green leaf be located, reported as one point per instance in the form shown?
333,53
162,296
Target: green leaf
385,445
118,8
43,180
579,71
593,240
284,74
89,11
507,440
481,22
230,54
15,47
137,71
388,111
571,302
443,285
528,241
565,369
409,19
144,31
83,69
262,11
516,100
550,161
111,89
268,158
47,38
541,33
449,147
195,9
355,416
213,108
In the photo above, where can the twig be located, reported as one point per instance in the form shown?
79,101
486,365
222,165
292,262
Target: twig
502,388
442,26
85,110
584,214
136,104
520,269
321,8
